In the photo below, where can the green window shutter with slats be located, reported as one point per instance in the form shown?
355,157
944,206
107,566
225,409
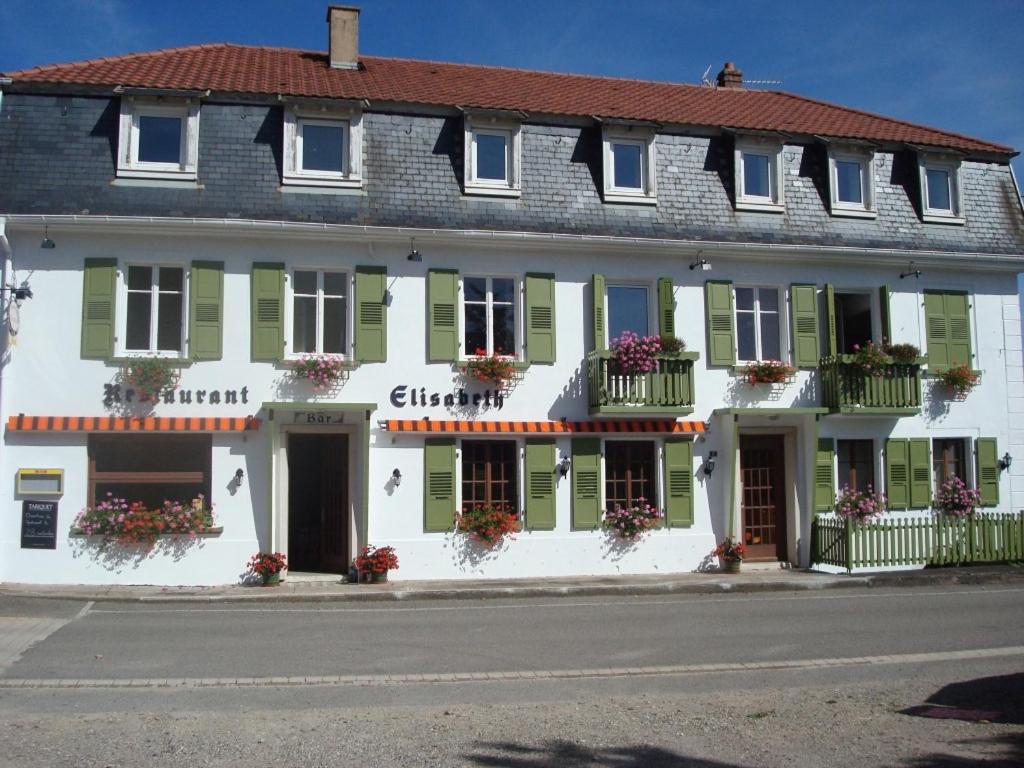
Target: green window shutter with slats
267,311
438,484
720,320
443,308
920,472
897,473
803,306
884,312
987,456
936,326
679,483
540,318
597,316
959,316
666,307
540,485
824,476
830,316
206,310
586,483
371,315
98,292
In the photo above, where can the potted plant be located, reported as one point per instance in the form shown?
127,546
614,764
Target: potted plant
322,371
961,379
860,506
871,358
631,523
487,524
268,566
149,376
496,369
730,554
133,523
635,354
768,372
955,499
903,354
373,563
671,345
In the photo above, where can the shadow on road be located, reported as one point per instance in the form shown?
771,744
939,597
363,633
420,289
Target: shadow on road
1012,757
564,754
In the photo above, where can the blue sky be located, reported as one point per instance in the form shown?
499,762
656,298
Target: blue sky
953,65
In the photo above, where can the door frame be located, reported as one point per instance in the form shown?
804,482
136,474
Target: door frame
791,471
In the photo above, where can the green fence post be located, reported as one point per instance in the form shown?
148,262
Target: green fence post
848,533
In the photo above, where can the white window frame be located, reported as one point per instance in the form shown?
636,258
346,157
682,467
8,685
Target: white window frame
864,209
647,194
517,314
775,200
652,309
783,323
128,163
289,314
351,177
511,131
121,337
954,214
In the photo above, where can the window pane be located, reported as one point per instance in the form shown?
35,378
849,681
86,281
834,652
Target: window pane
334,326
628,160
304,324
140,278
159,139
627,310
171,278
770,349
323,148
304,282
769,299
746,343
629,473
476,288
504,330
503,289
755,175
848,182
137,332
145,455
489,473
491,155
334,283
938,189
168,322
744,298
476,329
856,464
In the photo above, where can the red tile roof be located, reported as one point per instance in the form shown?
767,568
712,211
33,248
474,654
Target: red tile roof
230,68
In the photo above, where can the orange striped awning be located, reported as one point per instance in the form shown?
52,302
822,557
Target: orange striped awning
23,423
664,426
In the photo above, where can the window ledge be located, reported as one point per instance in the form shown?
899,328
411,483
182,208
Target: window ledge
854,213
938,218
347,364
154,180
630,198
177,362
517,365
303,188
760,207
212,532
482,190
295,180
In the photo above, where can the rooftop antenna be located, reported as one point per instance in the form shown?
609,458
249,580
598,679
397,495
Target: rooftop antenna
761,83
705,79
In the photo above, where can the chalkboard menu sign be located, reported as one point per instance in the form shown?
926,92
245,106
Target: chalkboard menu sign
39,524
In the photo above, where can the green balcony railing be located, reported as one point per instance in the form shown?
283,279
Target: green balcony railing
666,390
848,388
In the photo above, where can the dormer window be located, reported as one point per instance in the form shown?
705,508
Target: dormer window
941,202
758,167
493,148
158,139
629,165
323,148
851,183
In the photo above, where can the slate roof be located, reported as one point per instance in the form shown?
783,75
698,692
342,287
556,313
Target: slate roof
228,68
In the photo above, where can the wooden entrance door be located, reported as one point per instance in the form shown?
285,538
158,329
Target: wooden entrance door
763,479
318,505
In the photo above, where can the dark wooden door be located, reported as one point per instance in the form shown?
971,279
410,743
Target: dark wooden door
334,554
318,508
762,474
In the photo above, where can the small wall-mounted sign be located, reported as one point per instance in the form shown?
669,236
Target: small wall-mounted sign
38,524
40,482
318,417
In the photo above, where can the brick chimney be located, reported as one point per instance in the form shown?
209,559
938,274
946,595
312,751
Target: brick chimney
343,36
730,77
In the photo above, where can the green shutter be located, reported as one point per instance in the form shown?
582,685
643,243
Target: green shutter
920,473
267,311
540,485
897,473
540,318
206,310
666,307
443,308
679,483
803,306
597,315
947,329
438,483
830,315
987,455
824,476
720,319
371,315
586,482
99,290
958,314
884,313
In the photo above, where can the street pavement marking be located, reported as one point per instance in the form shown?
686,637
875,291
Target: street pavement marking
519,675
18,634
633,600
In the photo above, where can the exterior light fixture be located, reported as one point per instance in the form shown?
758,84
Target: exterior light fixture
414,255
1005,462
562,467
704,265
20,293
396,477
911,272
239,477
709,463
47,243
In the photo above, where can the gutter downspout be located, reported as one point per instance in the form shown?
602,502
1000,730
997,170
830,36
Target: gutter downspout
6,297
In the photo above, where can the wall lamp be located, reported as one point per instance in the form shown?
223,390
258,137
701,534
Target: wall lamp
239,477
562,467
20,293
704,264
47,243
396,476
414,255
1005,462
911,272
709,463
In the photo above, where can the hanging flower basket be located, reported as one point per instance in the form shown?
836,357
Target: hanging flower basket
860,506
961,379
631,523
322,371
768,372
494,369
487,524
955,499
150,376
